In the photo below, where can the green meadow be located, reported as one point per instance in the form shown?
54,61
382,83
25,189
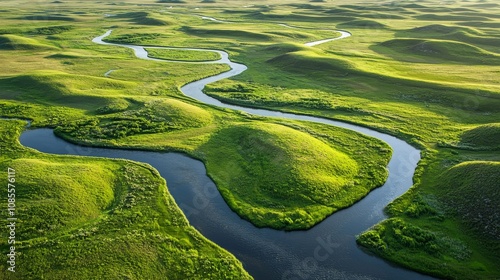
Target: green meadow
424,72
182,55
83,218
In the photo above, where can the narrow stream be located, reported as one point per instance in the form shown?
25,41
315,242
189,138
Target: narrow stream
327,251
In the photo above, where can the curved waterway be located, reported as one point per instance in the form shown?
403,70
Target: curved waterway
326,251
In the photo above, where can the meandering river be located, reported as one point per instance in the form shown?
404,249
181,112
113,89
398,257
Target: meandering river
326,251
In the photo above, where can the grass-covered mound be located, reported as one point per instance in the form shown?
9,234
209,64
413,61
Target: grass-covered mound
71,55
179,112
482,137
294,35
432,51
311,63
240,35
87,218
49,17
420,249
481,24
452,233
15,42
362,23
54,87
182,55
434,30
145,18
447,225
270,16
133,38
279,177
285,47
460,33
48,190
471,191
160,115
449,17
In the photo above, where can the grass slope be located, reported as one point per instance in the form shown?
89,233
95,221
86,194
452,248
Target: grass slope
366,23
311,62
436,30
49,202
145,18
437,51
424,103
470,190
15,42
419,236
463,34
76,214
182,55
278,177
483,137
59,88
241,35
117,122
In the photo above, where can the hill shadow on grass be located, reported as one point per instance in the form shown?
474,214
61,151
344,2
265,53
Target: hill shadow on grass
436,51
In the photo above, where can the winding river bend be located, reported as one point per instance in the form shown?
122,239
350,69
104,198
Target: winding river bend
327,251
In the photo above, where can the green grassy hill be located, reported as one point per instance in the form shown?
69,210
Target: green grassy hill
471,191
449,95
179,112
15,42
84,218
182,55
49,17
362,23
436,51
448,224
435,30
449,17
464,34
482,137
312,63
59,88
49,201
278,177
145,18
281,48
241,35
116,122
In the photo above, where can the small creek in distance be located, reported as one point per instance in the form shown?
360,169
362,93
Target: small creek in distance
326,251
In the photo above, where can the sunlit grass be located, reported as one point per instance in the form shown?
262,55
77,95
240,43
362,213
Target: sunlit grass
425,72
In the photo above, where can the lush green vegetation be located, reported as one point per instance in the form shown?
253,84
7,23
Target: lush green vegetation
285,176
422,249
431,84
145,18
279,177
14,42
482,137
419,50
182,55
87,217
450,228
426,72
152,117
